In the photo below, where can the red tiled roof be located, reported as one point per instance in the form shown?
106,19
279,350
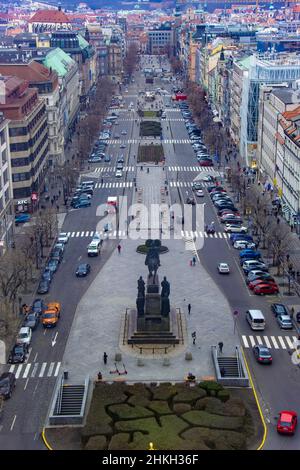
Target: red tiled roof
32,72
296,9
291,114
49,16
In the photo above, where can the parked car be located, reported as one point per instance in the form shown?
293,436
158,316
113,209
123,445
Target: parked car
284,321
31,321
196,185
107,158
264,289
249,265
52,265
199,193
256,282
287,422
22,218
239,236
223,268
82,203
279,309
242,244
260,277
43,287
18,354
7,384
24,336
63,237
83,270
47,275
56,255
230,228
38,306
262,354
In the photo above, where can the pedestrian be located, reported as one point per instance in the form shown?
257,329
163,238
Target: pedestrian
220,344
292,312
194,260
99,376
194,337
57,207
105,356
119,249
52,201
189,308
59,192
223,372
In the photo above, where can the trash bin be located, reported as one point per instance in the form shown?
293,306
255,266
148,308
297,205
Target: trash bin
66,375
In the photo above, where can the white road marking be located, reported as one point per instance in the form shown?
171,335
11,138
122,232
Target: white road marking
26,383
259,340
245,341
34,369
18,371
274,342
289,342
12,368
43,369
252,341
35,357
13,422
57,369
267,342
51,367
280,339
27,368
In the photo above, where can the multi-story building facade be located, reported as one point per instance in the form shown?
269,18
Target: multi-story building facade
28,137
46,82
161,40
6,193
68,79
48,20
279,145
247,77
82,52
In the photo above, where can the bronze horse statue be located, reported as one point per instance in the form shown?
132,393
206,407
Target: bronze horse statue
152,261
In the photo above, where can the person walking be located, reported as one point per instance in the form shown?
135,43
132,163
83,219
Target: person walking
194,260
194,337
119,249
105,356
220,344
189,308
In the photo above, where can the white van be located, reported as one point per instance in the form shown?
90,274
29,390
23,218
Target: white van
94,248
255,319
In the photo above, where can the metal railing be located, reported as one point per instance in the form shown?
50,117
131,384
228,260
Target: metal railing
125,327
180,328
59,396
238,360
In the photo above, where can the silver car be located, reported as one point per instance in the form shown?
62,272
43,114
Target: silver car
284,321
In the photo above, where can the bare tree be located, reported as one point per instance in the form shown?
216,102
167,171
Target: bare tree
278,239
130,61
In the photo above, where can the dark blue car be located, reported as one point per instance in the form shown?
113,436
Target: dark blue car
22,218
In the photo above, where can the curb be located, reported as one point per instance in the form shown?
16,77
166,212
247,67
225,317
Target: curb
258,405
45,440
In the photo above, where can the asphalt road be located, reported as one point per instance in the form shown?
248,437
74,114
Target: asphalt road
278,385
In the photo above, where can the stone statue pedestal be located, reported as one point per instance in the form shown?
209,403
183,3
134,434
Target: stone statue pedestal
153,327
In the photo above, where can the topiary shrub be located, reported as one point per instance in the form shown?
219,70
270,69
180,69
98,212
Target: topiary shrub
223,395
209,420
96,443
211,387
119,441
180,408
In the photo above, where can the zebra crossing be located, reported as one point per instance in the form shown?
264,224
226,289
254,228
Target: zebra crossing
124,184
111,169
196,168
272,342
186,234
35,370
137,141
187,184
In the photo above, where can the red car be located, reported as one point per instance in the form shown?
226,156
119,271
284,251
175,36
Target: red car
206,163
258,282
264,288
287,422
228,211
